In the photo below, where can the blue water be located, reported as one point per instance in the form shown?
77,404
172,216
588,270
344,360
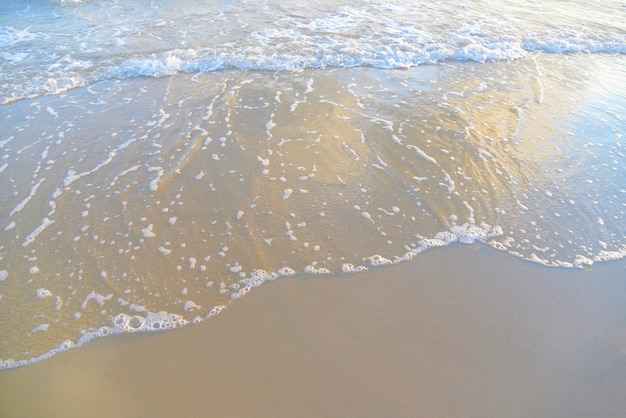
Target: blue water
51,46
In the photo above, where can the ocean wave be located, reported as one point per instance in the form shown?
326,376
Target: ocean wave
397,54
37,60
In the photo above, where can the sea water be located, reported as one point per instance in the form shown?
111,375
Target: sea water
159,160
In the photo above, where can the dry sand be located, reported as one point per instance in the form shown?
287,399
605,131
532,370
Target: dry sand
458,332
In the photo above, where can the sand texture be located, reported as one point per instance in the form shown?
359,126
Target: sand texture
462,331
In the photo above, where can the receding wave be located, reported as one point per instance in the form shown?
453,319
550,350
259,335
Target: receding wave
176,181
159,201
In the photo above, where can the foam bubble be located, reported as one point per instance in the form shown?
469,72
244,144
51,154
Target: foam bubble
427,243
31,237
43,293
378,260
610,255
259,277
159,321
216,310
135,322
350,268
190,306
3,275
582,262
469,232
164,251
286,271
311,269
241,292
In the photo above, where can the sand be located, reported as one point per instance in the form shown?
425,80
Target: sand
460,331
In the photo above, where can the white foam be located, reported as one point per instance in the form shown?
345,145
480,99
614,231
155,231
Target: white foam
148,232
40,328
123,173
191,306
24,202
311,269
43,293
159,321
349,36
100,299
264,161
421,153
309,86
52,112
610,255
3,275
350,268
286,272
378,260
154,184
470,232
257,278
72,176
31,237
137,308
216,310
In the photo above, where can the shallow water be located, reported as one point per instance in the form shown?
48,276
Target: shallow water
145,186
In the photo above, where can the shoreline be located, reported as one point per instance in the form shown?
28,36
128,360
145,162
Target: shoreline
458,331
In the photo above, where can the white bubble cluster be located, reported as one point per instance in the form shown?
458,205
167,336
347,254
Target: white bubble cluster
349,268
286,272
379,260
190,306
12,364
311,269
159,321
468,233
610,255
257,278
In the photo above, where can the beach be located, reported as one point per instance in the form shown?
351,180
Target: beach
460,331
345,208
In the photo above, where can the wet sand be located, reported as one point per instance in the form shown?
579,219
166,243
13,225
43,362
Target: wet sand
460,331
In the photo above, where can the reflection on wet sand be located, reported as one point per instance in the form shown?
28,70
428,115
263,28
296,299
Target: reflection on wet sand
180,194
